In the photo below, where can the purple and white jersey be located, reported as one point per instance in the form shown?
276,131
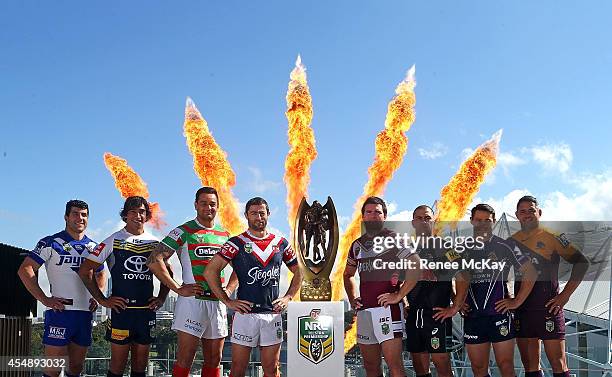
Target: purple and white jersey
257,262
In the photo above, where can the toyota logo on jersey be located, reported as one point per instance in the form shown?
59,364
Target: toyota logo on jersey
136,264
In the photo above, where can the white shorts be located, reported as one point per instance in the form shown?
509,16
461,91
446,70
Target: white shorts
257,329
201,318
375,325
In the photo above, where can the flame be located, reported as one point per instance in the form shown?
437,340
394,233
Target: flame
301,139
211,166
129,183
350,337
457,195
391,146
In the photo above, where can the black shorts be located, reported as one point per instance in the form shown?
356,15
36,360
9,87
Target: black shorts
489,329
425,334
131,325
540,324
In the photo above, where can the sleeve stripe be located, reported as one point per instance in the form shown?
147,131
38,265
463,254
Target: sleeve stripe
36,258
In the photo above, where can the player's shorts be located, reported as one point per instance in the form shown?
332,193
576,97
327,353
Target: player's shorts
375,325
540,324
425,334
257,329
131,326
201,318
67,326
489,329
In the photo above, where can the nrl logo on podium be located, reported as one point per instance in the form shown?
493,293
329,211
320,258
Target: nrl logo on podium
316,336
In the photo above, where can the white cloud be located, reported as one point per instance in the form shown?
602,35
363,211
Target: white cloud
436,150
259,184
555,158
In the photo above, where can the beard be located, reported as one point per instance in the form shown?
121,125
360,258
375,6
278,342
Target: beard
373,227
258,225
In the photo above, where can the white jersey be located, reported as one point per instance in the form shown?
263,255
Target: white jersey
62,256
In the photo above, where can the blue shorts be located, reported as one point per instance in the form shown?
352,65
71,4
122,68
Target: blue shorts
67,326
488,329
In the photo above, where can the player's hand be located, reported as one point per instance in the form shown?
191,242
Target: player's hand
115,303
93,305
556,304
189,290
465,309
502,306
55,303
387,299
240,306
281,303
155,303
356,303
443,313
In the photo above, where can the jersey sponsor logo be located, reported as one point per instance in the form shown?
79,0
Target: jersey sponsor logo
316,336
98,249
264,277
39,246
501,322
70,260
137,265
205,251
79,248
119,334
242,337
563,240
229,250
434,331
467,336
57,332
175,234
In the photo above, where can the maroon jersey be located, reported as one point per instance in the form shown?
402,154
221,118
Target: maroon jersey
373,280
545,251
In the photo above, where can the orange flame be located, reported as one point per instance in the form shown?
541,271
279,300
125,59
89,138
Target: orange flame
350,337
211,166
391,146
129,183
301,139
457,195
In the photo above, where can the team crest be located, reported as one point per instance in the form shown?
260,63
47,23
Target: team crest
279,333
275,249
385,328
503,330
550,325
248,247
316,336
66,246
435,342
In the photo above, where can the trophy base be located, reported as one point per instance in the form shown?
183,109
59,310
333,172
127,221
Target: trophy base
317,289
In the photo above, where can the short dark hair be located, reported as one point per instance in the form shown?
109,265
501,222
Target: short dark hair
527,198
75,203
374,200
135,202
206,190
255,202
422,206
483,207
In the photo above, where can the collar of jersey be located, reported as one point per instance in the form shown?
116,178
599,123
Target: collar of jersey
202,226
248,232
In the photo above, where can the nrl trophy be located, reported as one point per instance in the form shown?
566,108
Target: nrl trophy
316,242
315,326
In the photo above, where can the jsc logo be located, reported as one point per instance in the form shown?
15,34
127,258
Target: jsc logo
316,336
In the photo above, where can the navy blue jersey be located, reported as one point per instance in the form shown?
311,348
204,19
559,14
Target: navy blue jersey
435,288
257,262
126,256
490,284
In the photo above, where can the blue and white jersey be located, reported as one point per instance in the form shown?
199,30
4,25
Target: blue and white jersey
62,256
257,262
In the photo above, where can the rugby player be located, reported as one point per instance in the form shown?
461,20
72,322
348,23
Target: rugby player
130,330
429,317
380,317
256,256
541,315
489,319
199,317
68,317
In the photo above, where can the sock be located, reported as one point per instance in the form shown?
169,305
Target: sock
537,373
178,371
138,374
562,374
211,372
111,374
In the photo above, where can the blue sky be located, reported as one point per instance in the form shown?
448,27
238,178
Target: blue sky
81,79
